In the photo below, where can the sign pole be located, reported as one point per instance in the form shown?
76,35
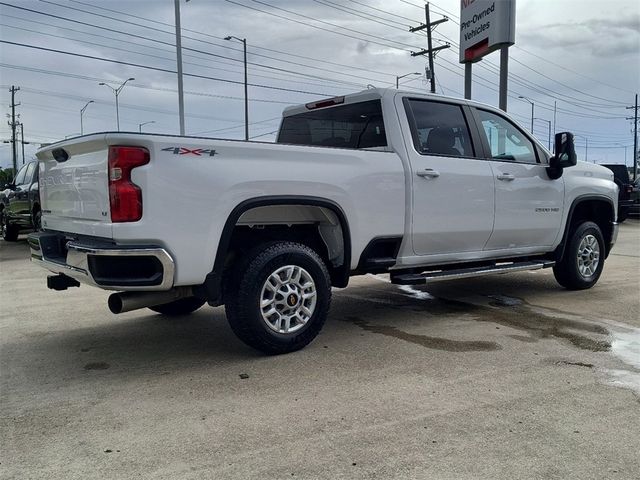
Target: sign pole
504,77
467,80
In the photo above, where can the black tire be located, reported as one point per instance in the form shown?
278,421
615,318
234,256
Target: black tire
623,214
184,306
567,271
243,295
9,231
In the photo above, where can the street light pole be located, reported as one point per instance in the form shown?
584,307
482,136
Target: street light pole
532,110
246,85
179,61
82,113
586,146
398,77
117,91
140,125
549,122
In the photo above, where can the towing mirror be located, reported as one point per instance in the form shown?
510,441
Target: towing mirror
565,155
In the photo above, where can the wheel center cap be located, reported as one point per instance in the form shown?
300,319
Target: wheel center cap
292,300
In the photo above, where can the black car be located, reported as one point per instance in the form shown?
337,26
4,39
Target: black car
625,187
635,198
20,203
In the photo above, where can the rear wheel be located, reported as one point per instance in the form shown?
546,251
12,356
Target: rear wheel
182,306
278,299
583,260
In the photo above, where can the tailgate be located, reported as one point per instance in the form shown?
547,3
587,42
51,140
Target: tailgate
74,193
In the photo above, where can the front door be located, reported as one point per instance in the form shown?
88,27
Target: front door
528,203
453,189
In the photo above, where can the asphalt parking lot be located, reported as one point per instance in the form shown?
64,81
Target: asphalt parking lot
501,377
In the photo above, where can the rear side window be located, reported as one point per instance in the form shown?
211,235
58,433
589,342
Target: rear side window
440,129
358,125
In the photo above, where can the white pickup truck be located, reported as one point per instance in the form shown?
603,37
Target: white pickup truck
422,187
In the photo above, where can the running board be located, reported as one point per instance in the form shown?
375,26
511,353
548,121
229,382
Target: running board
440,275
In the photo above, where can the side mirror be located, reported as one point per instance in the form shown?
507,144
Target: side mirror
565,155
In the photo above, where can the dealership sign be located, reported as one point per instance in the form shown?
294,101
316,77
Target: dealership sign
485,26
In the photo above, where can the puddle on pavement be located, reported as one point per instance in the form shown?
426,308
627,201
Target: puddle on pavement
436,343
512,312
538,323
626,346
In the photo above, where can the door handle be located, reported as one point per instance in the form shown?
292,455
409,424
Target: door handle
506,176
428,173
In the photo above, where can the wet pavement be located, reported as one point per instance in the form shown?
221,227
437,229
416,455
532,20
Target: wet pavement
500,377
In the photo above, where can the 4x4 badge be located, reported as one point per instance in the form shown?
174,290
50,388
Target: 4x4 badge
199,152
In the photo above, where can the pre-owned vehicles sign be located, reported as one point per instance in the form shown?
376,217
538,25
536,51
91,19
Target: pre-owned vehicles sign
485,26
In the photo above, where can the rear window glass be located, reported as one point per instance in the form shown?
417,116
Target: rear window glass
358,125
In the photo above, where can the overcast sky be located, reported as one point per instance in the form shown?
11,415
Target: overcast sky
585,55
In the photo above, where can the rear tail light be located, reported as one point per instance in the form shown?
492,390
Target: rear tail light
125,197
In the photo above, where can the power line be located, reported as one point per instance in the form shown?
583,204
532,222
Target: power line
164,58
315,26
135,85
253,46
454,17
225,46
165,70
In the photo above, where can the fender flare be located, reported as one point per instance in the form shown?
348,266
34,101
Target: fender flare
211,289
576,201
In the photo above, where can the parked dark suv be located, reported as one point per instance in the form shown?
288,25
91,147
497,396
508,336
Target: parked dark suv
20,203
625,187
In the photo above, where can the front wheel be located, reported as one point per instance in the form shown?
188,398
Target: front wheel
278,299
583,260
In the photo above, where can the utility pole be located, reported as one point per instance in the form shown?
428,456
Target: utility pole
430,27
13,124
635,138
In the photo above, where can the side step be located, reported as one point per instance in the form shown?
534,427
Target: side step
440,275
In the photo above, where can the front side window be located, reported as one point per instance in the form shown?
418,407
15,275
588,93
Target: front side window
357,125
440,129
506,141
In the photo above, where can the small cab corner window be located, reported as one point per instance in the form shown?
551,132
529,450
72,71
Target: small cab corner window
440,129
356,125
506,141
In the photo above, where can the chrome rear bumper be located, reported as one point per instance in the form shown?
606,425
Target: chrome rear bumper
107,266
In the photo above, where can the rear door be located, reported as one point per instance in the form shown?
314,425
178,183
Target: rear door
453,189
528,203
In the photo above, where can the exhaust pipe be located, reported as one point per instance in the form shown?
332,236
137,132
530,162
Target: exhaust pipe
126,301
